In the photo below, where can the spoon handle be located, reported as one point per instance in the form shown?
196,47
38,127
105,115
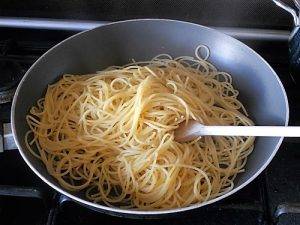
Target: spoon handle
266,131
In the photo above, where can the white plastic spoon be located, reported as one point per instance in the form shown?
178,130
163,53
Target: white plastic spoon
193,129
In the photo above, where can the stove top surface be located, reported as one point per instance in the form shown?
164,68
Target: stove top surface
25,199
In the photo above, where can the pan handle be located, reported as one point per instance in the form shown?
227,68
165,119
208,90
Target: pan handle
7,141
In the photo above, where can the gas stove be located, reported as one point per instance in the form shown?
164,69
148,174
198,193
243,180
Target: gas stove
272,198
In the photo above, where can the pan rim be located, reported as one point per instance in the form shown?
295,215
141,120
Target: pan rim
135,211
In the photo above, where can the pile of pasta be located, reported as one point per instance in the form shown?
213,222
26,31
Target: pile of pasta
111,133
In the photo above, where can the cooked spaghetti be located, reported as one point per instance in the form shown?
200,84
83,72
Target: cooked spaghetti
111,134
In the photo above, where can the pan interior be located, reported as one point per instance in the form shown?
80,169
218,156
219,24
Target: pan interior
260,90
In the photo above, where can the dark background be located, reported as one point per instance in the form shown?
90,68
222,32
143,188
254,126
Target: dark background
242,13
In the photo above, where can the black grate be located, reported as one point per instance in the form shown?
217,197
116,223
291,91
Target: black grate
25,199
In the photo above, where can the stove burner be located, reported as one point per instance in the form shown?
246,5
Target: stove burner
11,74
271,199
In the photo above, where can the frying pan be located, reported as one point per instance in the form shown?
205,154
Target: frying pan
116,44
